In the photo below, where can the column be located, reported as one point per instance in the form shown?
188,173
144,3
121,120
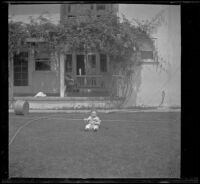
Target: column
98,63
108,62
62,70
31,67
74,64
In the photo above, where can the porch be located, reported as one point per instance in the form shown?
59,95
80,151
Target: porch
87,75
65,75
89,86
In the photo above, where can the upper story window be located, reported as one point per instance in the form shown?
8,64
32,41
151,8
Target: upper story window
91,6
101,7
69,8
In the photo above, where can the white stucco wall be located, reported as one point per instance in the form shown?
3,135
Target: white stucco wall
154,81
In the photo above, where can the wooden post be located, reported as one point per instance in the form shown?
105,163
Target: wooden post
98,71
74,64
62,81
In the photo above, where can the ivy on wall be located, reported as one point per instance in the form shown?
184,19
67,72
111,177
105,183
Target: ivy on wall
119,39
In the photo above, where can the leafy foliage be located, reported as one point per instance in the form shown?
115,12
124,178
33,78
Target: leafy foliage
17,36
119,39
104,34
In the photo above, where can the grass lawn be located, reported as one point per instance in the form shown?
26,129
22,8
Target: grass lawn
128,145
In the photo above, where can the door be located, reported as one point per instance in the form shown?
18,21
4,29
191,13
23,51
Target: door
80,65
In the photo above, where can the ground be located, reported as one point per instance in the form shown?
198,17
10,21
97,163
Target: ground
127,145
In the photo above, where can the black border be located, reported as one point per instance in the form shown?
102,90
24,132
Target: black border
189,77
4,89
189,95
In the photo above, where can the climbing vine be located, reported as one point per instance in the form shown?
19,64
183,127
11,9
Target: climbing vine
119,39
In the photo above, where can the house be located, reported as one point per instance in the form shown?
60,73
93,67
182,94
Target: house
77,74
35,69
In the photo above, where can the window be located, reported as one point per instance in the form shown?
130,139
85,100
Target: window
71,16
101,7
91,6
42,59
103,63
68,63
69,8
21,69
92,60
147,54
42,64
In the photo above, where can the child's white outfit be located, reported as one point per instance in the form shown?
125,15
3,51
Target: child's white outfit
94,123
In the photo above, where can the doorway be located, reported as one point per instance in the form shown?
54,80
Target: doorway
80,65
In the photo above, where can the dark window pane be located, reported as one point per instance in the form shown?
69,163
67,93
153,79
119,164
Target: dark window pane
71,16
24,76
24,54
42,58
43,66
16,82
24,68
17,62
69,8
21,82
17,69
101,7
24,82
147,54
68,63
21,69
17,76
103,63
24,62
92,61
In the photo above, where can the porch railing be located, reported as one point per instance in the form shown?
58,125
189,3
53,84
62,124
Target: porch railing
90,81
94,81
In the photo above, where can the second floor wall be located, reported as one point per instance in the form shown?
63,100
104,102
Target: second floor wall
69,11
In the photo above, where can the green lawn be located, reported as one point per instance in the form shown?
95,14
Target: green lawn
136,145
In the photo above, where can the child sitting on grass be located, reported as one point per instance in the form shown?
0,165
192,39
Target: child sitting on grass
93,121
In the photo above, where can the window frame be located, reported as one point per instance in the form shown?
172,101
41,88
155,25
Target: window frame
22,70
44,60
